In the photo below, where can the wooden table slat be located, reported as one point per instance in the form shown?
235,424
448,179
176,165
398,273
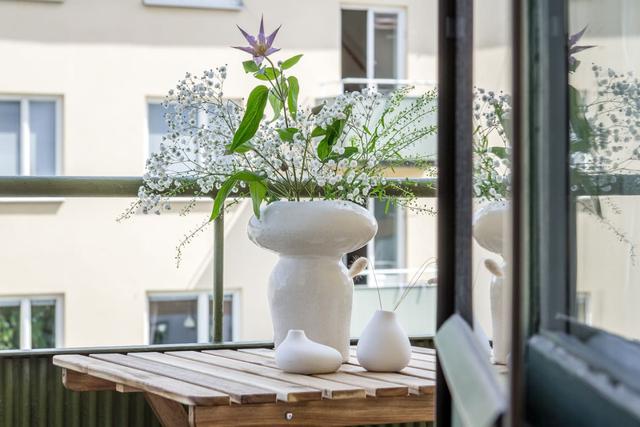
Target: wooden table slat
169,388
425,384
247,363
239,393
415,355
416,385
419,373
285,391
413,363
373,387
423,350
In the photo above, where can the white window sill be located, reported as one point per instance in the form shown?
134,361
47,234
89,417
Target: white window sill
31,200
197,4
186,199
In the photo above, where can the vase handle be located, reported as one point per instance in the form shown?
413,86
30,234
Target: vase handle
357,267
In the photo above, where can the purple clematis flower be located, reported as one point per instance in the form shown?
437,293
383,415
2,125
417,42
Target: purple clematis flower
259,47
574,48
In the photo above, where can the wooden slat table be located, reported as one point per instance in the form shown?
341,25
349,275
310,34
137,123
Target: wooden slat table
245,388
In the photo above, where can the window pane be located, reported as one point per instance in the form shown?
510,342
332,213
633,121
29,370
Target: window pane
354,47
173,322
43,324
389,241
9,326
604,143
42,123
9,138
157,126
386,46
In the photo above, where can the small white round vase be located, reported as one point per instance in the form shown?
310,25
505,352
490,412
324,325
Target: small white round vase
384,346
309,288
299,355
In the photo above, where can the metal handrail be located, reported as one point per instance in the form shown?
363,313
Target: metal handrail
127,186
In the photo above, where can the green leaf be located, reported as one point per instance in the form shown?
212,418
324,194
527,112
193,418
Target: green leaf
324,149
250,66
501,152
578,121
252,116
316,110
291,62
292,96
318,131
287,134
244,148
258,191
276,105
227,186
348,152
267,73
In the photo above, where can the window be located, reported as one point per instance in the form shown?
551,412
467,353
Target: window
389,244
387,250
157,126
29,136
203,4
30,322
186,318
372,48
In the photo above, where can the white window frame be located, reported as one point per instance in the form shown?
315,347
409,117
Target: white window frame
204,321
24,301
25,130
401,230
197,4
146,149
401,42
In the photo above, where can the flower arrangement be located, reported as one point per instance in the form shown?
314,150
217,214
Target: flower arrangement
337,150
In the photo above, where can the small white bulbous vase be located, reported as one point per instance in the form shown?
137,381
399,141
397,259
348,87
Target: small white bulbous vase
384,346
309,288
299,355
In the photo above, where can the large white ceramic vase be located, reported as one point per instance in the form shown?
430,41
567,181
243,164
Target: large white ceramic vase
488,229
309,288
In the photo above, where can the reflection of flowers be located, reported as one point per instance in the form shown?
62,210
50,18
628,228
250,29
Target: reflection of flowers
491,145
604,138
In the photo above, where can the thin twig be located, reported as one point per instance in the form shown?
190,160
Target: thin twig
414,280
375,279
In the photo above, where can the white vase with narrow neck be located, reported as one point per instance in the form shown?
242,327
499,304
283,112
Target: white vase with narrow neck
489,225
309,288
384,346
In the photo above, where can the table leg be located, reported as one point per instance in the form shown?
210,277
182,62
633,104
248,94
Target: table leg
169,412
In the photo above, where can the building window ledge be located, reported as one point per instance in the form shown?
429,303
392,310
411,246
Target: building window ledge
19,200
197,4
